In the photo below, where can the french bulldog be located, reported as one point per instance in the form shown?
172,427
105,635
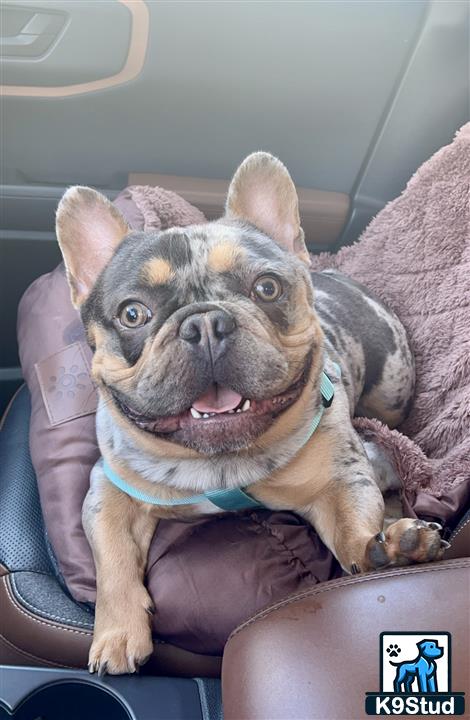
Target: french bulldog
210,344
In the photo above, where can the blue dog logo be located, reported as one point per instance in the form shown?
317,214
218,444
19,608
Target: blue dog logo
423,668
422,686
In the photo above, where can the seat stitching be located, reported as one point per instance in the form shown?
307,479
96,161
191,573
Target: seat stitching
9,407
36,620
459,529
44,612
37,657
344,582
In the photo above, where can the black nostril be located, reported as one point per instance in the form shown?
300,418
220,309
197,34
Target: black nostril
211,327
222,324
190,329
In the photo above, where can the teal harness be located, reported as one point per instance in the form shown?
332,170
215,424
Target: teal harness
234,499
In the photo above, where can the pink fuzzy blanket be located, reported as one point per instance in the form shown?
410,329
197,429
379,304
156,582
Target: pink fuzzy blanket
416,256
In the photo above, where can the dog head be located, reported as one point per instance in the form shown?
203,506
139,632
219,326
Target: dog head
430,649
203,336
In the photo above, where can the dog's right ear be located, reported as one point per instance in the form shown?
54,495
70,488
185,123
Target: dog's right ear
89,229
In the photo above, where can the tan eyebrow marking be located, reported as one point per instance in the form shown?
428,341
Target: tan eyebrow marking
157,271
223,256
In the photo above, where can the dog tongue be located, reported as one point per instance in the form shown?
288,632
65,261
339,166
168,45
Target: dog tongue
217,400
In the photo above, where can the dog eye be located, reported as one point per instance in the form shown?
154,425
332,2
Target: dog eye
134,315
267,288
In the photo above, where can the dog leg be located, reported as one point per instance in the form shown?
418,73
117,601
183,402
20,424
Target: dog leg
347,514
408,685
396,682
119,531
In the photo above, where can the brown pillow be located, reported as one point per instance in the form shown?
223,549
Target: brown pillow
55,362
199,601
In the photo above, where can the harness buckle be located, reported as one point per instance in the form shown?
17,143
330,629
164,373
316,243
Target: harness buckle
327,399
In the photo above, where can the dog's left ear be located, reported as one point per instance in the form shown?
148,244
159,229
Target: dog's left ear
263,194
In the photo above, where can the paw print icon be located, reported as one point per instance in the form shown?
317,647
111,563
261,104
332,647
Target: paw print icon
393,650
67,382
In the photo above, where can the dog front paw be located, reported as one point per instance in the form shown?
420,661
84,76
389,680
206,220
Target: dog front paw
407,541
120,650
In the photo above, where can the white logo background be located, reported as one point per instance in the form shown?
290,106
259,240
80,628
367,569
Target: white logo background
409,652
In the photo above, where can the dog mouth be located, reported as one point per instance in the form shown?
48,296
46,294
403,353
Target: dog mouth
221,419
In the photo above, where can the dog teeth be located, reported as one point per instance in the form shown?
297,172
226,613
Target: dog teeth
198,416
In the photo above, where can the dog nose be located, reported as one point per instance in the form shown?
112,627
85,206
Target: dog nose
208,328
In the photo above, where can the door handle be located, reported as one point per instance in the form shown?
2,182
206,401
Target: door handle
34,38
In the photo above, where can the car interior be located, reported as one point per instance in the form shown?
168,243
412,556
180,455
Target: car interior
353,96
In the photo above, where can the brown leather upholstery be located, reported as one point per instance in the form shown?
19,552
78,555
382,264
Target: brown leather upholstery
28,639
460,540
315,655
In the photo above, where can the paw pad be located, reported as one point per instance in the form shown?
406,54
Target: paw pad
393,650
